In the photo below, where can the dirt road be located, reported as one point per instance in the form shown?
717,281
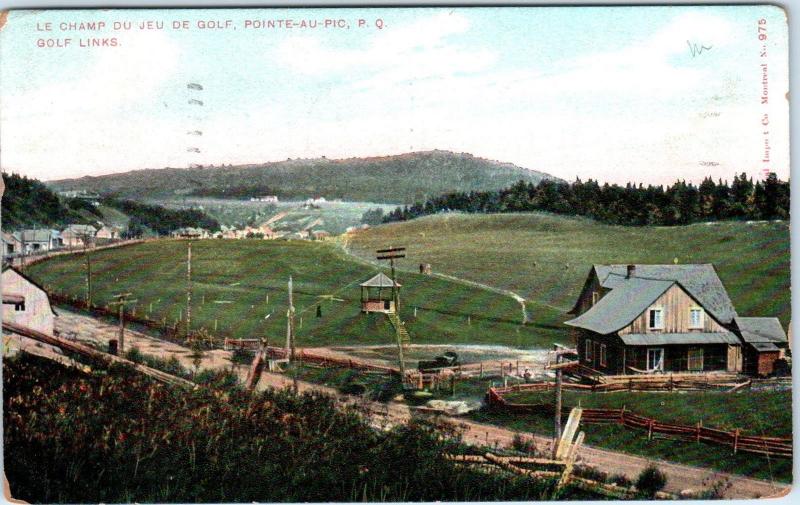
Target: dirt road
679,477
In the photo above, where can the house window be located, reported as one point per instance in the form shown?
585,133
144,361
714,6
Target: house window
602,354
695,361
655,359
656,319
695,317
19,307
588,354
595,297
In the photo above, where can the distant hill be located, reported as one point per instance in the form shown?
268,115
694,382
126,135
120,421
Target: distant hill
405,178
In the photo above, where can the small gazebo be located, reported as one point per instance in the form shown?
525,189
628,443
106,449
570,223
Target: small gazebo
377,294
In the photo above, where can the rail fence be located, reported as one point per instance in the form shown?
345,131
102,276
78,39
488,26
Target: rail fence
764,446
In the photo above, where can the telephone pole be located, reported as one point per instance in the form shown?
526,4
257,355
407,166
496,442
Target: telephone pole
88,281
290,336
188,288
557,427
122,300
391,254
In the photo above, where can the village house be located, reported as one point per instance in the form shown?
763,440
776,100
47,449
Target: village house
109,233
77,236
25,302
12,246
39,241
668,318
267,231
320,234
190,232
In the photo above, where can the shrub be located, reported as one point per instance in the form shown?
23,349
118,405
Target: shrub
523,444
135,355
651,481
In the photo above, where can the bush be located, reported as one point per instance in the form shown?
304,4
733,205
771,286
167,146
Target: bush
651,481
523,444
135,355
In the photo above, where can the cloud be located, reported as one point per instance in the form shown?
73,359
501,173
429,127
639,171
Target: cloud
414,51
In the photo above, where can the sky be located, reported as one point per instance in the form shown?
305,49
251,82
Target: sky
617,94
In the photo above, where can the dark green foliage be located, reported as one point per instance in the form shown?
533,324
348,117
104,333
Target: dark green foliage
119,437
161,220
650,481
390,179
372,217
678,204
28,203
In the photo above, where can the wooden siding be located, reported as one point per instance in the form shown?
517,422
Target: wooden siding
585,298
675,303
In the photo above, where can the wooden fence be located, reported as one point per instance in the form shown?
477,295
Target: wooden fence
666,382
765,446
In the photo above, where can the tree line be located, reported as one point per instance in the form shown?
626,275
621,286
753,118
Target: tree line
160,220
29,203
637,205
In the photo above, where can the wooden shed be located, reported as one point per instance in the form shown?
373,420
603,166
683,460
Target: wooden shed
377,294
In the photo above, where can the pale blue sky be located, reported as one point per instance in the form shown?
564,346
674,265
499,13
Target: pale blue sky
608,93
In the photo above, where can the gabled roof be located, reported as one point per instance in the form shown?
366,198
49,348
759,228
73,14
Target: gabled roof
43,235
80,228
379,281
627,301
22,274
699,280
761,329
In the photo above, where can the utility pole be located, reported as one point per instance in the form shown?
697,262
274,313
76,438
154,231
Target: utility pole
290,336
122,300
557,428
88,281
391,254
188,288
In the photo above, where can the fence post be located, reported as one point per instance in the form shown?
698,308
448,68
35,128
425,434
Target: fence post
481,376
735,440
650,429
622,415
699,426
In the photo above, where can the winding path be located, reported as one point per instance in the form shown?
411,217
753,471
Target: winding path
679,477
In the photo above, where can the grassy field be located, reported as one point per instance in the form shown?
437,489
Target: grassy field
546,258
773,417
238,283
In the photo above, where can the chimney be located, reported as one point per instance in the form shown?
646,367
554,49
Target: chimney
631,271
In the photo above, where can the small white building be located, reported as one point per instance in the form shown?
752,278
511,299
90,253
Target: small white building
109,233
78,235
25,302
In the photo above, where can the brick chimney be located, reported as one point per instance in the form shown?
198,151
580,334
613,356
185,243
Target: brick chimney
631,271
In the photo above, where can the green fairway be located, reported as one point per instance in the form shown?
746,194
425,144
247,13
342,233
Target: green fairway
238,283
546,258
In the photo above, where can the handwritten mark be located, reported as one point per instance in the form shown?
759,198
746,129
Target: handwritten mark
697,49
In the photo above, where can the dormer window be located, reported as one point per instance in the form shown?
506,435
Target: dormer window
696,318
656,318
595,297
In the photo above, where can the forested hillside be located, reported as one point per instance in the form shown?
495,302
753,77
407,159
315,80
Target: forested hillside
681,203
160,220
398,179
28,203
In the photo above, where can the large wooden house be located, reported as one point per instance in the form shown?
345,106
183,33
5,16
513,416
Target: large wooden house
668,318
